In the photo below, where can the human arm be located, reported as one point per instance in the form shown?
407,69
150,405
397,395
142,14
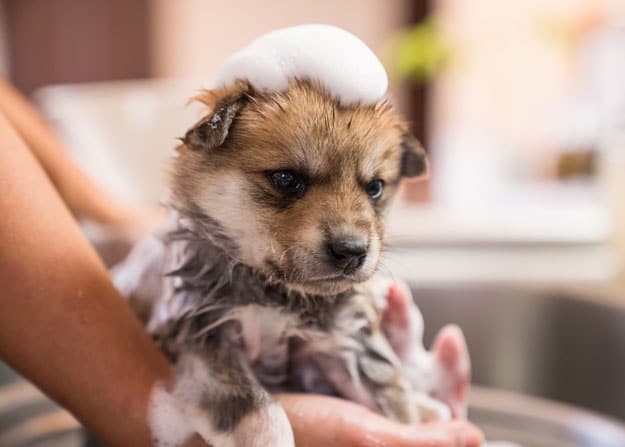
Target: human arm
62,324
81,194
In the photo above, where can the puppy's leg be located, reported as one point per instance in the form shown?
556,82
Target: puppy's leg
356,362
226,405
383,376
386,379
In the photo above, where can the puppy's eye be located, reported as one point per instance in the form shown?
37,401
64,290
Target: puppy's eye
374,189
288,182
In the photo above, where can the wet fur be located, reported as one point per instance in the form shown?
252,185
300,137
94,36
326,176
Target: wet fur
241,270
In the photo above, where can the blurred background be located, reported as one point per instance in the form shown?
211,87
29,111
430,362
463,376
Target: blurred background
518,234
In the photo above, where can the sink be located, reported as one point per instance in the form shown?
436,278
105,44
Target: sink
29,419
532,422
558,346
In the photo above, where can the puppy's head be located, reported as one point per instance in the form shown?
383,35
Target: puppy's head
294,184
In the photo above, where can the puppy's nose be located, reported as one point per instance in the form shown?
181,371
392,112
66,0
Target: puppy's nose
347,253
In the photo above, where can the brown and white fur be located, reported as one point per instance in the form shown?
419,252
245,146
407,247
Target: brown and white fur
263,287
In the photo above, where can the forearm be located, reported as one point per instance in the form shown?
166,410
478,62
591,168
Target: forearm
84,197
62,324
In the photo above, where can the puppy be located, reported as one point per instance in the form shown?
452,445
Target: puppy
262,281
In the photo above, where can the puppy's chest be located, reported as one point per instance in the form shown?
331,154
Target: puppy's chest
253,317
274,333
213,305
208,299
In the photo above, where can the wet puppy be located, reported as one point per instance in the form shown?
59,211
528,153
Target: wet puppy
262,281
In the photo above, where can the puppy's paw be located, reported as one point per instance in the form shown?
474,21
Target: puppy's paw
268,426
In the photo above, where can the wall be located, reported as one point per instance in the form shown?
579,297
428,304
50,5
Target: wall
192,37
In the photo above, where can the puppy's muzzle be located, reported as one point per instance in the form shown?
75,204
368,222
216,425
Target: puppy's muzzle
347,253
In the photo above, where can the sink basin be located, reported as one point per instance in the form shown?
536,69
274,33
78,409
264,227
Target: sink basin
554,345
29,419
532,422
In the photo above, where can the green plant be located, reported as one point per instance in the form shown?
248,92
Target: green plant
418,53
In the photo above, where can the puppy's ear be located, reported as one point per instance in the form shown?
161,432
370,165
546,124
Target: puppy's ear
413,158
211,131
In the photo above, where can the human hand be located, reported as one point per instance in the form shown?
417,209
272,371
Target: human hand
330,422
403,325
322,421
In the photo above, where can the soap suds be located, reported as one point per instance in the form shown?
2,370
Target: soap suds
341,62
174,413
176,410
168,423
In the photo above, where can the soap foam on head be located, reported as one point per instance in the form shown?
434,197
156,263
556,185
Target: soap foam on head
341,62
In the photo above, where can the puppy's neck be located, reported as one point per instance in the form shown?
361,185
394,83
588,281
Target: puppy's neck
206,271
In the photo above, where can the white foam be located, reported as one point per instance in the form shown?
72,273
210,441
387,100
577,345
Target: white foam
168,424
341,62
175,414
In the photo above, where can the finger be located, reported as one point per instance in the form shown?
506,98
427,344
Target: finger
329,422
398,299
451,353
450,347
402,323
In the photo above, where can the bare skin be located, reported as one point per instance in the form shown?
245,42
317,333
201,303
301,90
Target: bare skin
81,195
62,324
65,327
327,421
